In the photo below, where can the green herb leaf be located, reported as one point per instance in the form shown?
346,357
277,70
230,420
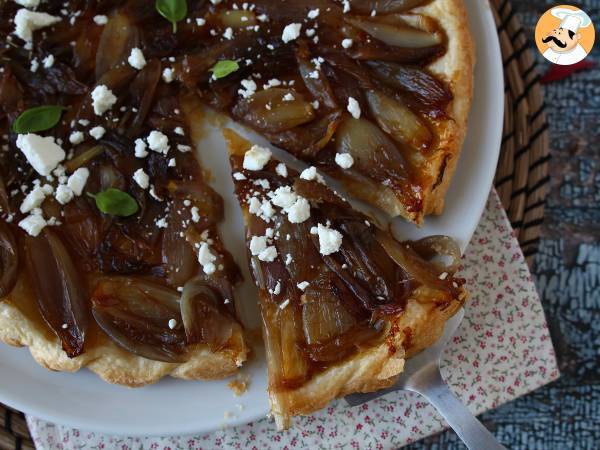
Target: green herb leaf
115,202
36,119
172,10
224,68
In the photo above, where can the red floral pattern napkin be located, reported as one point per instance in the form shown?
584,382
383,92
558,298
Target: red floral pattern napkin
501,351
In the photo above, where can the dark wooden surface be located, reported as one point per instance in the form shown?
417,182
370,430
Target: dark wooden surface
565,414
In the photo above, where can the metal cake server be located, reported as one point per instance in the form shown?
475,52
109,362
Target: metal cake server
422,375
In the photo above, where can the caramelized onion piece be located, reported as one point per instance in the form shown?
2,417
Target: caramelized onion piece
135,314
9,260
442,251
425,91
142,90
84,158
419,56
202,312
59,290
412,263
268,111
345,344
308,140
385,6
399,121
395,32
178,256
118,37
318,87
324,317
374,153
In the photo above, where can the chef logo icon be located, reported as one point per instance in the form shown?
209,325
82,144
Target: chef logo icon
565,35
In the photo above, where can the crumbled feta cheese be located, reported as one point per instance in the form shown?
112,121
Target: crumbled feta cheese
249,88
42,153
33,67
284,304
32,4
313,13
140,148
277,289
172,162
268,254
172,324
228,33
184,148
284,197
346,4
330,240
48,61
179,131
254,205
136,59
291,32
347,43
344,160
266,209
443,275
162,223
309,174
353,107
76,137
97,132
257,244
288,259
195,214
83,122
158,142
102,99
239,176
299,211
33,224
141,178
33,200
26,22
281,170
289,97
78,179
100,19
63,194
168,74
256,158
206,259
302,286
200,21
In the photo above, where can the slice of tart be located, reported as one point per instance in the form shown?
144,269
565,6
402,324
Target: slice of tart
343,303
376,94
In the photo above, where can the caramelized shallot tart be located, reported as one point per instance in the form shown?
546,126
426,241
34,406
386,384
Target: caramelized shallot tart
110,256
342,302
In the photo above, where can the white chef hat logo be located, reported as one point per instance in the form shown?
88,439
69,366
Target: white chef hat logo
571,20
565,35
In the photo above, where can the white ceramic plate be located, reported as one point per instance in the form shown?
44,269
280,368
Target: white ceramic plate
179,407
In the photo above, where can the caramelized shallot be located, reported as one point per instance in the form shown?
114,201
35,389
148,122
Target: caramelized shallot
59,290
9,260
135,314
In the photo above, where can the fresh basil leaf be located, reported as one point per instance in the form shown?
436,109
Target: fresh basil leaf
36,119
224,68
172,10
116,202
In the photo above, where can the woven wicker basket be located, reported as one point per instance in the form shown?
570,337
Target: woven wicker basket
521,178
